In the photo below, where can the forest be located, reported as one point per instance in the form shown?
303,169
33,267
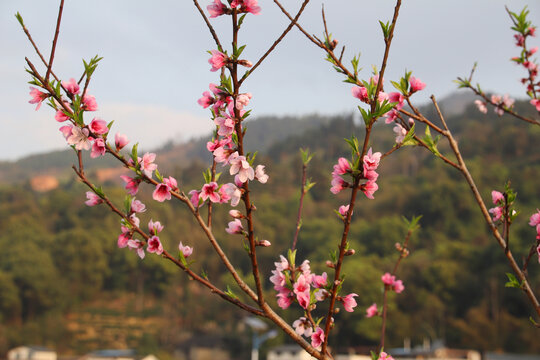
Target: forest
67,285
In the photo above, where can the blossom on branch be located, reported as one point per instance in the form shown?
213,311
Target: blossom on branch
37,97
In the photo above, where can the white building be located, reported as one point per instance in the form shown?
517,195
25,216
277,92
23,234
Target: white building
31,353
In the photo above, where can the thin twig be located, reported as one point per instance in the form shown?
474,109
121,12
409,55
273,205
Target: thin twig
300,206
210,27
292,23
53,49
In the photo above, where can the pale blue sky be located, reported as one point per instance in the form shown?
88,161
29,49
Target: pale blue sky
155,61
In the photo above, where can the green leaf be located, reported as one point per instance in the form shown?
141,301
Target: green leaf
513,281
158,176
19,18
241,20
135,154
109,125
291,256
409,138
430,142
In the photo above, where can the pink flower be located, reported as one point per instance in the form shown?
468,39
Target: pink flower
137,206
385,356
317,338
216,9
398,286
98,148
79,138
372,311
207,98
536,103
361,93
369,188
154,227
497,212
496,196
388,279
285,299
154,245
124,237
371,161
71,86
99,126
66,130
401,132
218,60
520,39
194,198
210,190
89,103
147,165
264,243
320,281
416,84
93,199
120,140
235,227
185,250
247,6
138,246
60,116
260,174
481,106
344,209
349,303
302,327
303,299
535,218
283,264
240,166
225,124
132,185
279,280
171,182
242,100
338,184
37,97
342,167
162,192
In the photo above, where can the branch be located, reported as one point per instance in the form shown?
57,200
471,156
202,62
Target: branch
212,31
293,22
53,49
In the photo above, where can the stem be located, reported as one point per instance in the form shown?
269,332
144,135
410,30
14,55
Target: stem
209,218
292,23
384,316
208,25
337,275
483,209
300,206
53,49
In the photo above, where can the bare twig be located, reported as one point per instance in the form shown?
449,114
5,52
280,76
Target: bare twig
53,49
292,23
210,27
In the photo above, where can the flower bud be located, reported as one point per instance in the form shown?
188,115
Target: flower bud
236,214
349,252
264,243
398,246
330,264
411,121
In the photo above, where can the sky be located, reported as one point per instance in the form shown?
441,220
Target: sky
155,60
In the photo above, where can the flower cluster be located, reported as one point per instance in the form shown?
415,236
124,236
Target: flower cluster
526,62
299,284
498,199
217,8
391,283
534,221
370,164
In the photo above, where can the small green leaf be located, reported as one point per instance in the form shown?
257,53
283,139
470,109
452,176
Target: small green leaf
135,154
158,176
513,281
291,256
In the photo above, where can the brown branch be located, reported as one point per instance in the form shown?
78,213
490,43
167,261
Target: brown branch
165,254
53,49
338,265
502,243
292,23
210,27
506,110
300,206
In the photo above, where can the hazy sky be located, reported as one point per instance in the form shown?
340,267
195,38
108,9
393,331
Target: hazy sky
155,62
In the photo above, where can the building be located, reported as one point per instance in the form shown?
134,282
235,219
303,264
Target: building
31,353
